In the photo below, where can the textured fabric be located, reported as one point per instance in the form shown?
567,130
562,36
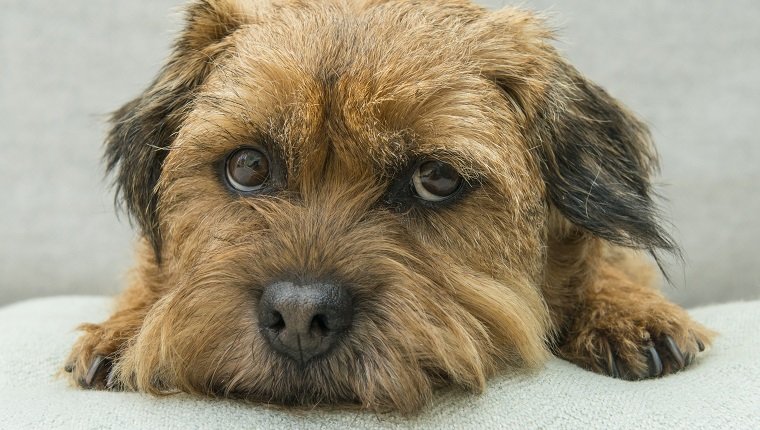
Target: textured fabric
721,390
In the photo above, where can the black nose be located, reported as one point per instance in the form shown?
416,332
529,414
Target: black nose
304,321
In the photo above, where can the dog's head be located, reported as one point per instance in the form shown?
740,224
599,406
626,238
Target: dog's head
352,203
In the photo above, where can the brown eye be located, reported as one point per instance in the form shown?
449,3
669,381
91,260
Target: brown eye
247,169
435,181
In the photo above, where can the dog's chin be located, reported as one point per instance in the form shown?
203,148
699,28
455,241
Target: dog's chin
336,381
373,378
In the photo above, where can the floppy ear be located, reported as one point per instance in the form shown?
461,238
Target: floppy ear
143,129
596,157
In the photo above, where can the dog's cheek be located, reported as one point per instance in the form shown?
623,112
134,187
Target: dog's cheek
490,231
487,253
511,309
198,215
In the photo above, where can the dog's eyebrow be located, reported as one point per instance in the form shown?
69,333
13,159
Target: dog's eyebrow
472,159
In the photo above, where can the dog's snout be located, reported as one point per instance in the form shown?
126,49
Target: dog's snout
304,321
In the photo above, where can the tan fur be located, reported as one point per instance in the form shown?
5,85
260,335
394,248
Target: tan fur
345,94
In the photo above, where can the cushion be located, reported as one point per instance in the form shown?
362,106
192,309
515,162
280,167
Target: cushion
720,390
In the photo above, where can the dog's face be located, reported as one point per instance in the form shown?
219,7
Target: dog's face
353,203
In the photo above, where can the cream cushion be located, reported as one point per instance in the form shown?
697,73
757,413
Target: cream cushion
720,390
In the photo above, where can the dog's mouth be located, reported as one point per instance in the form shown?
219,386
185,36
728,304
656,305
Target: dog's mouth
340,379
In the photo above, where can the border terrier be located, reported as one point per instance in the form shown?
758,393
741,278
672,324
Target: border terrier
356,202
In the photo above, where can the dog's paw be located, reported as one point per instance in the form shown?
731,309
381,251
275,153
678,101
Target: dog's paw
634,340
634,356
90,362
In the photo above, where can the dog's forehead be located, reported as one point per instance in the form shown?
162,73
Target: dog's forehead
378,86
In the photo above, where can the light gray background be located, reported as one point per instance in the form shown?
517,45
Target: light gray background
689,68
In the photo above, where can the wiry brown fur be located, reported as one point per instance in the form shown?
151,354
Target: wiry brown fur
533,258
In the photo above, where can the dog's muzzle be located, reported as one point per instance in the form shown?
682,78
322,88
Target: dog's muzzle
304,321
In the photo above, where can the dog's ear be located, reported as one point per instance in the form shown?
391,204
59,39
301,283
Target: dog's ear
597,159
142,130
596,156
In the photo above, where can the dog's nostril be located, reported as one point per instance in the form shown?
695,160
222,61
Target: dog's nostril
277,322
319,325
271,319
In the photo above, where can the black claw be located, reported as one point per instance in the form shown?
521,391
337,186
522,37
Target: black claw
69,367
675,352
690,358
654,362
612,368
700,345
614,371
99,366
111,382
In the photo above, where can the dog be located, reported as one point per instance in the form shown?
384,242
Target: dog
355,203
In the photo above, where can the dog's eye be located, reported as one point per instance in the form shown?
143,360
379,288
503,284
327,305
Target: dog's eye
435,181
247,169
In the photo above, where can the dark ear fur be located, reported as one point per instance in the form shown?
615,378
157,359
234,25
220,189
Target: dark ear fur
597,159
143,129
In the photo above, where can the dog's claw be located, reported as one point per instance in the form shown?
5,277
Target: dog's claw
111,382
69,367
700,345
612,368
615,369
98,373
654,361
97,361
690,358
675,352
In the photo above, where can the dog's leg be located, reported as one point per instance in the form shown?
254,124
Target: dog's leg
611,320
92,357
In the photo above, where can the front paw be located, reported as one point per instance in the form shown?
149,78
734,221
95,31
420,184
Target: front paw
90,362
634,340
